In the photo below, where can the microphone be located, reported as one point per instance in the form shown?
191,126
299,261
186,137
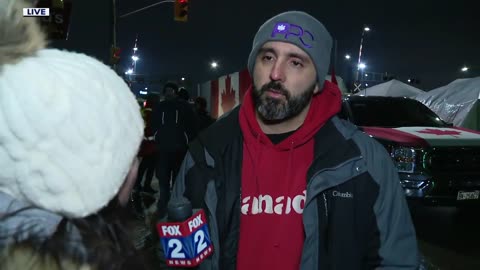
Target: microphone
184,235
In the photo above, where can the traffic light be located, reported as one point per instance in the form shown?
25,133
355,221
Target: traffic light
181,10
115,55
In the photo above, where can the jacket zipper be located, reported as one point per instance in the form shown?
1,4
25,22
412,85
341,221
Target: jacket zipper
325,204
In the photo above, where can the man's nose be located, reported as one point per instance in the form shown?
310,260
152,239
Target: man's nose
277,73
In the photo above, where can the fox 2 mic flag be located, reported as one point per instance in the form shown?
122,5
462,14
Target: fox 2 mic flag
186,243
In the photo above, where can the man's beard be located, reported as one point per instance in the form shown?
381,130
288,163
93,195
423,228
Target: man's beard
277,110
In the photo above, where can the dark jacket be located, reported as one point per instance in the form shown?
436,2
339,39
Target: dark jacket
369,229
204,120
174,123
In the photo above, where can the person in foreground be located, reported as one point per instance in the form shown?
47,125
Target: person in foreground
70,129
286,183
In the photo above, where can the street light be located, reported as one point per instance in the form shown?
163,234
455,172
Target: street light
347,57
464,69
365,29
183,79
135,49
214,64
130,71
135,58
362,66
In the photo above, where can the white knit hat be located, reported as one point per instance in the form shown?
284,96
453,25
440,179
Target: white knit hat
70,127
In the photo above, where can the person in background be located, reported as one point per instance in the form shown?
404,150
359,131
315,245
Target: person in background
143,195
183,94
148,149
174,124
68,151
204,118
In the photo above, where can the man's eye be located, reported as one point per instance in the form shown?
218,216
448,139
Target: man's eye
267,57
297,64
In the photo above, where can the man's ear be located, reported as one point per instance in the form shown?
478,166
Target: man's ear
317,89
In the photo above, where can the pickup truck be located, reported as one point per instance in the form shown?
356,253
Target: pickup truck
437,162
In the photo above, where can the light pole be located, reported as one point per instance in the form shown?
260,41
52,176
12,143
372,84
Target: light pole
114,29
135,58
361,67
365,29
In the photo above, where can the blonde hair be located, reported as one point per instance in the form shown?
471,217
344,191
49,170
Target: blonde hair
24,256
20,36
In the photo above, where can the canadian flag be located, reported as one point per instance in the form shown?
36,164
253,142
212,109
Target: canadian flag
225,92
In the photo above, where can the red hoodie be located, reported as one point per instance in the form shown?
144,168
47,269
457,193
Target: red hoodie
274,186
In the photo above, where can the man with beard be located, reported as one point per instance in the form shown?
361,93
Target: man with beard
288,185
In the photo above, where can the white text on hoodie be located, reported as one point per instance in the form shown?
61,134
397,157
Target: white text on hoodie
266,204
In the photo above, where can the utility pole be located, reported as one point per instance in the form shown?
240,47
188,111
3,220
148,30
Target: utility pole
114,30
144,8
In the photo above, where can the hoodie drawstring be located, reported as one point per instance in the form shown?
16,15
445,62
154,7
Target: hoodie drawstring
290,161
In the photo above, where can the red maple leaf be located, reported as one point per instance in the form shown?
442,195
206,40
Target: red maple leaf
440,132
228,96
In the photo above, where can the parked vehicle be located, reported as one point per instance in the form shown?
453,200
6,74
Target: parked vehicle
437,162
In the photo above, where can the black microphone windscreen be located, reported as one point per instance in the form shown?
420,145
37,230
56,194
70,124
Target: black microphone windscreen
179,209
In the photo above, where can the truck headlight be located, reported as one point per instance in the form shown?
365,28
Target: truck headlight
404,158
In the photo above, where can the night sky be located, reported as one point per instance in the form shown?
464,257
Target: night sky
424,39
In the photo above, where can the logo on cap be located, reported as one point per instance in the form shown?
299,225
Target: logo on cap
290,31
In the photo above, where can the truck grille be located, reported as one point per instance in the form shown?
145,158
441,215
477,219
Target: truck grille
454,160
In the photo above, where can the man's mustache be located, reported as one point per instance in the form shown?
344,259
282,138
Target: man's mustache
275,86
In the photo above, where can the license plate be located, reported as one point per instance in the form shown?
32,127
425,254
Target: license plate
468,195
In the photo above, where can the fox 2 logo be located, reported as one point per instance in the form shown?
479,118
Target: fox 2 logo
187,247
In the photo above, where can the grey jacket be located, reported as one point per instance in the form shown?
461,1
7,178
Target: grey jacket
371,229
